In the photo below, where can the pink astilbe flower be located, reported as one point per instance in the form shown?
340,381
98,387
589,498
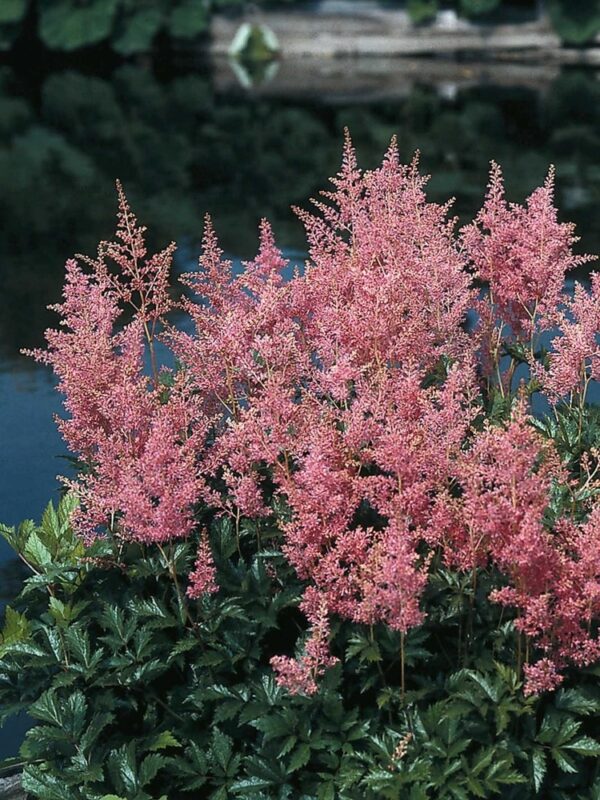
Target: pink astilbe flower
141,479
506,477
203,578
323,380
143,482
523,253
139,280
392,581
88,358
242,359
554,575
575,357
541,677
386,284
567,633
299,676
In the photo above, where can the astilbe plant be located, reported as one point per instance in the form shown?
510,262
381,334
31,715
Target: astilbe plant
356,387
359,413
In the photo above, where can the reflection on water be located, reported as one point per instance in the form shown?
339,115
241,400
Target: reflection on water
185,143
31,445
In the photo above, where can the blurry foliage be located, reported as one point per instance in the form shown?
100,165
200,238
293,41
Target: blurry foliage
182,149
129,25
132,26
422,10
576,21
137,693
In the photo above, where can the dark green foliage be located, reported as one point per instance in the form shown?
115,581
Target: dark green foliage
422,10
575,21
474,8
139,693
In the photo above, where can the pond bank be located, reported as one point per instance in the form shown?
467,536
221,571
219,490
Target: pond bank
347,28
10,788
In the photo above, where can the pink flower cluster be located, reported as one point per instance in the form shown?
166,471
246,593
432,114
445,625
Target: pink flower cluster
554,574
523,253
574,360
357,385
299,676
139,451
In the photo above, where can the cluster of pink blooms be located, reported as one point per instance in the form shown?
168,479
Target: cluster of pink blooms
300,675
203,578
357,384
138,450
575,360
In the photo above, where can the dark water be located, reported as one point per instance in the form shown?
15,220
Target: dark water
188,141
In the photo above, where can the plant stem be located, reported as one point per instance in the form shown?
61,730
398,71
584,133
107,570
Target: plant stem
402,666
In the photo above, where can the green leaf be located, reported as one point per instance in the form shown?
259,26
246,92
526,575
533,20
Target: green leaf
46,785
47,708
36,551
12,11
98,724
490,690
122,766
300,757
538,768
584,746
138,30
150,767
188,19
563,761
247,785
163,741
16,628
327,791
66,26
222,750
578,701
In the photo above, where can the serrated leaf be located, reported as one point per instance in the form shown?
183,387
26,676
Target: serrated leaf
150,767
36,552
300,757
122,766
45,785
163,741
97,725
246,785
577,701
221,748
563,761
47,708
584,746
16,627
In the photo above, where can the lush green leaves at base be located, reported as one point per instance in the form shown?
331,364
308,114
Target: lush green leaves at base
137,693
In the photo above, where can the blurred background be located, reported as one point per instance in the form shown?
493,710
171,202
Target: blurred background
239,110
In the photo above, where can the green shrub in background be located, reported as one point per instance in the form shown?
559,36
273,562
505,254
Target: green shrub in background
137,693
130,25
